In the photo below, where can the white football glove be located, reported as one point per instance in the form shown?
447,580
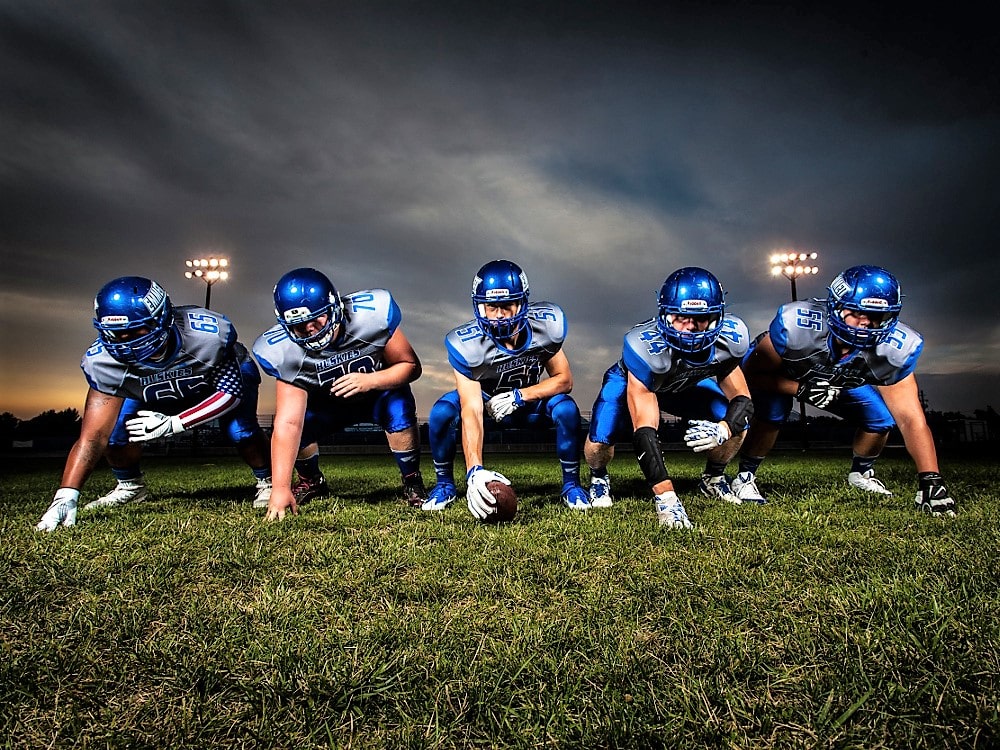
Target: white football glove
703,435
479,499
820,394
504,404
61,511
149,425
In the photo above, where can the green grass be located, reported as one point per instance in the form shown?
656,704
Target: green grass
824,619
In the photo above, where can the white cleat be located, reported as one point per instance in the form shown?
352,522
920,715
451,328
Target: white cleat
867,482
600,492
718,488
263,496
745,488
127,491
670,513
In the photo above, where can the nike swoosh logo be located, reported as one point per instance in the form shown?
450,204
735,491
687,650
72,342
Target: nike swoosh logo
640,456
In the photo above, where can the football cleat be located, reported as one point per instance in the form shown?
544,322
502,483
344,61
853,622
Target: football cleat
670,513
127,491
263,496
307,489
745,488
440,497
718,488
935,501
575,497
414,493
600,492
867,482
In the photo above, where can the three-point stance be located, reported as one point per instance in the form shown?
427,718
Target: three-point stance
338,362
850,356
155,371
685,361
498,359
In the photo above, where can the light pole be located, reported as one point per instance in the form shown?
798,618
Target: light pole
208,270
793,265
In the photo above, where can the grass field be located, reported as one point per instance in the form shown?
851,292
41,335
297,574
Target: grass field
825,619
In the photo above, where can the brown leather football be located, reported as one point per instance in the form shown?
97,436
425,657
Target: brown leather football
506,505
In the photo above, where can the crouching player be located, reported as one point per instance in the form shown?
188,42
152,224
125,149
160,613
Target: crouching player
338,362
498,359
157,370
850,356
684,362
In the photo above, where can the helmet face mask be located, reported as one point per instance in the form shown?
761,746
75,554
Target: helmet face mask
304,295
694,293
500,283
134,319
869,294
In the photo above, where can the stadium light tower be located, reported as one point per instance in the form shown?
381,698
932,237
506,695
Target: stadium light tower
209,270
792,265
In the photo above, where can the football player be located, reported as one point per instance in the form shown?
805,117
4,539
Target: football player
157,370
851,356
338,362
498,359
685,361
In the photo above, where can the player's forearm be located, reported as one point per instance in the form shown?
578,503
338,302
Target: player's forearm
82,459
547,388
284,448
395,376
919,444
213,407
472,437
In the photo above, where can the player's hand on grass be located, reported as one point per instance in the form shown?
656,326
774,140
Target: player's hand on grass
61,511
150,425
479,499
280,503
703,435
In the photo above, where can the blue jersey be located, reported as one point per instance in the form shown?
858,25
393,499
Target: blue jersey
802,338
371,316
662,369
205,357
497,369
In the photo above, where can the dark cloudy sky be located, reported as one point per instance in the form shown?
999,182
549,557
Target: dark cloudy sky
404,144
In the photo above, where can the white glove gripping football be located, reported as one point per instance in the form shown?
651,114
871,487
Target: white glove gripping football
820,394
479,499
703,435
61,511
149,425
504,404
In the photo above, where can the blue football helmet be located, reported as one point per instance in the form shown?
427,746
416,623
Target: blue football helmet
305,294
870,290
500,281
134,318
691,291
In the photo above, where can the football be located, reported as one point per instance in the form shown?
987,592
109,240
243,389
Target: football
506,506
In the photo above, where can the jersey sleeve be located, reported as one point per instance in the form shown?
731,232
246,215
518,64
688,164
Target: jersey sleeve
900,352
636,363
556,324
779,332
462,357
267,354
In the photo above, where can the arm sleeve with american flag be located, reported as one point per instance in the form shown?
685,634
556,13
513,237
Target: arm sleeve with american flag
228,384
